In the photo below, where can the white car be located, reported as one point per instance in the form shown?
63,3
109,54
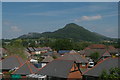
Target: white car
91,64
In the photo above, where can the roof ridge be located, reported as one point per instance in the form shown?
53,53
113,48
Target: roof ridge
29,67
106,53
34,66
18,60
19,67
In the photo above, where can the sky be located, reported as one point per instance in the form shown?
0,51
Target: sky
61,0
20,18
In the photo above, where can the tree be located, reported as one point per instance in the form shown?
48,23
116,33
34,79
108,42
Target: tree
95,56
62,44
16,48
114,74
104,75
80,45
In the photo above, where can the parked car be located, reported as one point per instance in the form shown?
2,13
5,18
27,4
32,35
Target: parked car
91,64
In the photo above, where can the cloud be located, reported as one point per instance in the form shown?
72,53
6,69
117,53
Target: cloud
15,29
88,18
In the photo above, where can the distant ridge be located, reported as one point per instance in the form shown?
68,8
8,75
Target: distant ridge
70,31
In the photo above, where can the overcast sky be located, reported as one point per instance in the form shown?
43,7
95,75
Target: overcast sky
21,18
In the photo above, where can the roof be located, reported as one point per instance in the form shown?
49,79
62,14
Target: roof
106,54
3,50
47,59
63,51
25,69
111,47
97,46
75,57
51,53
12,62
72,51
90,51
106,64
115,51
57,68
31,49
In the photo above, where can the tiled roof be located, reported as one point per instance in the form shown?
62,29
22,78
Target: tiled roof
106,64
115,51
72,51
106,54
47,59
97,46
57,68
90,51
12,62
51,53
63,51
25,69
111,47
75,57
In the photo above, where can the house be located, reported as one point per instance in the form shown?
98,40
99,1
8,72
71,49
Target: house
47,48
111,48
103,53
30,49
11,62
39,50
46,60
62,52
61,70
25,69
97,46
95,72
82,62
114,52
51,53
72,51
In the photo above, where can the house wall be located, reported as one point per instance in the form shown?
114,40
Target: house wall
75,74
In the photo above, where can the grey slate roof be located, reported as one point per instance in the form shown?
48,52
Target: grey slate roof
11,62
57,68
31,49
88,52
51,53
116,51
25,69
47,59
105,65
75,57
48,53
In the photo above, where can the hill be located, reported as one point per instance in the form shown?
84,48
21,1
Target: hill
70,31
